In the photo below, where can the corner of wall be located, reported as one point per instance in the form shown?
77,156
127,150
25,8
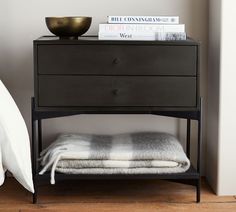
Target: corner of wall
214,67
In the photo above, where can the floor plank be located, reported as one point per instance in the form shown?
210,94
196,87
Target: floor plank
117,196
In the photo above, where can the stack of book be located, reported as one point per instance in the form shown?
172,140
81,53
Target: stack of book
142,28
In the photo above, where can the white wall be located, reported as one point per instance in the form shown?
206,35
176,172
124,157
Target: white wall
222,75
23,21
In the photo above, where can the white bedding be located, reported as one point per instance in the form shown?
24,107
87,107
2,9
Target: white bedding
14,142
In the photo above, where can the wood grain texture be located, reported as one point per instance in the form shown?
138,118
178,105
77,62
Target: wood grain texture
115,196
102,91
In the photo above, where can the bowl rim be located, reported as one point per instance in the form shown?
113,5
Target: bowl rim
65,17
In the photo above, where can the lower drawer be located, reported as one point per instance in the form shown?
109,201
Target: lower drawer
72,91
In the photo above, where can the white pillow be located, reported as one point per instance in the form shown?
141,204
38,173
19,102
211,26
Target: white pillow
14,141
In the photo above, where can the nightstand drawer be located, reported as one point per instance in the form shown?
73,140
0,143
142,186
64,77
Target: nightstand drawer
117,60
75,91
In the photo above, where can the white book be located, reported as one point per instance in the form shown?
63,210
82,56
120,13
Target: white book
143,19
126,36
141,28
161,36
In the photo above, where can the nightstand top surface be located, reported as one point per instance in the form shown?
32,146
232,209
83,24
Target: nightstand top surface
94,39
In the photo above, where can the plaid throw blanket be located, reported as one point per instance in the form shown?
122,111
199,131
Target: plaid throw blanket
131,153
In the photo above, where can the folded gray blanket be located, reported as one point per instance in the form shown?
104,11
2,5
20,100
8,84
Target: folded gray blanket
134,153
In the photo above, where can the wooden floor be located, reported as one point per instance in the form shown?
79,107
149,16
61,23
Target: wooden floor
115,196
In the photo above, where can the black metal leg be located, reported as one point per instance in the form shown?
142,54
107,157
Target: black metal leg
34,161
188,138
40,135
198,190
199,139
34,151
35,195
198,186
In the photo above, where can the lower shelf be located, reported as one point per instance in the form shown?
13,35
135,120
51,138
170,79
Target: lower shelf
190,174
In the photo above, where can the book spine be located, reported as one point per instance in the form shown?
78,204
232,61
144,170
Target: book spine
126,36
169,36
143,19
141,28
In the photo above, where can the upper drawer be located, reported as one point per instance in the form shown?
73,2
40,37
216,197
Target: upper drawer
117,60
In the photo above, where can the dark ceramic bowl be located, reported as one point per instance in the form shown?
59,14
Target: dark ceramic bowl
68,27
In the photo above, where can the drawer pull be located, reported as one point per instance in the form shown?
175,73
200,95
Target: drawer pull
116,61
115,92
